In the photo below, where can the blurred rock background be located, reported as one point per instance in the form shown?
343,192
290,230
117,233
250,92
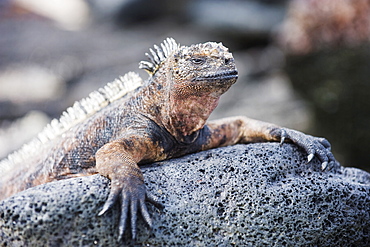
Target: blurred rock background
53,53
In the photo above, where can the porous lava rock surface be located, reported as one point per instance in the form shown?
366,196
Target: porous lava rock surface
245,195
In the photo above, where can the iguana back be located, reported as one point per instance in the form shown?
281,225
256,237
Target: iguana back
66,147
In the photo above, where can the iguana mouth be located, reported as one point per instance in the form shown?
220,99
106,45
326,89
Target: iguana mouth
227,75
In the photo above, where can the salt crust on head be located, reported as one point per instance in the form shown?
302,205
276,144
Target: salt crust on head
205,49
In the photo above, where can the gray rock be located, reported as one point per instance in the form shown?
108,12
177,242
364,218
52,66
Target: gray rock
251,195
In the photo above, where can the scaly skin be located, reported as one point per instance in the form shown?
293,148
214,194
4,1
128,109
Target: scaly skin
165,118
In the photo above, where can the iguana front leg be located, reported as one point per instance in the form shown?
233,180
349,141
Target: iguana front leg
118,161
229,131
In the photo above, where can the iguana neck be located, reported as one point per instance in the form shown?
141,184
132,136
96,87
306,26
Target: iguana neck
180,114
189,114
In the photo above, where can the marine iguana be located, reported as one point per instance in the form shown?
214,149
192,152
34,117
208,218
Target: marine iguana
131,122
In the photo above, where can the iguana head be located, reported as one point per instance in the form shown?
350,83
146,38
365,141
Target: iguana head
191,78
194,69
203,68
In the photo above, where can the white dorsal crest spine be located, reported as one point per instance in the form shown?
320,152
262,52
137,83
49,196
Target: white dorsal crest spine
158,55
75,114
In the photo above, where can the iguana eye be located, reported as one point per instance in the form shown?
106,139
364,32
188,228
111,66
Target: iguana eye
198,60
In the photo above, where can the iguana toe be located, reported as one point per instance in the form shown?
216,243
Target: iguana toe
133,212
112,198
123,217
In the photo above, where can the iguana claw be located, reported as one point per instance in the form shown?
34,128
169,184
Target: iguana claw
310,157
324,165
282,136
